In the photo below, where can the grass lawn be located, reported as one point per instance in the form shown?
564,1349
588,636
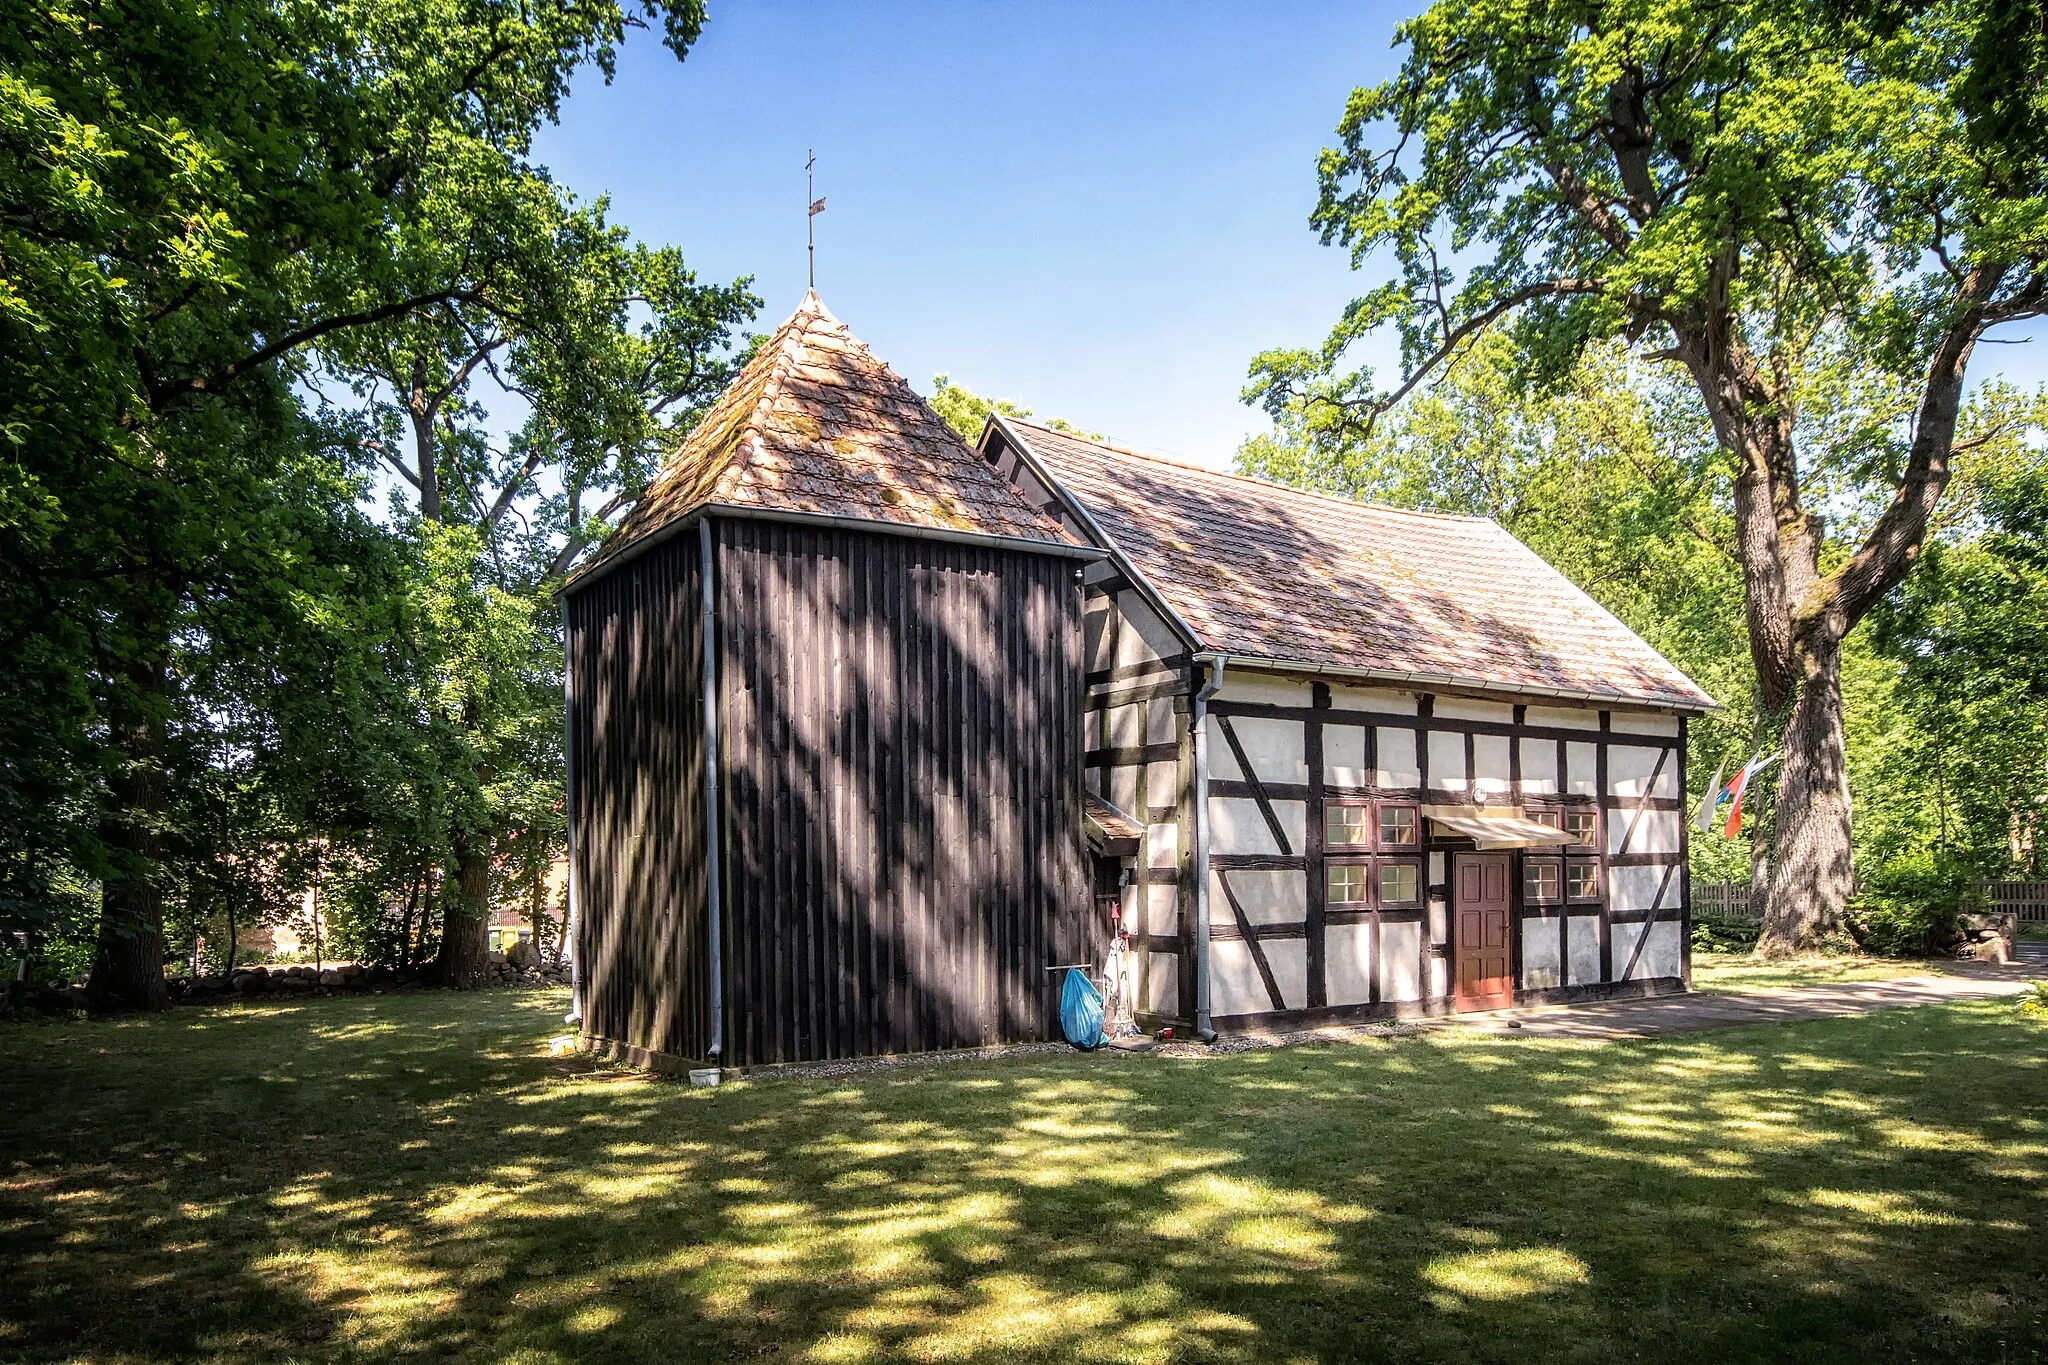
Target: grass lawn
1726,972
414,1177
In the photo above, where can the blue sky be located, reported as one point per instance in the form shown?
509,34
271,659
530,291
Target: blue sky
1099,210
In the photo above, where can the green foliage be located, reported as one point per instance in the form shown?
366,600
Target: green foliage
214,660
1714,935
967,412
1910,905
2034,1004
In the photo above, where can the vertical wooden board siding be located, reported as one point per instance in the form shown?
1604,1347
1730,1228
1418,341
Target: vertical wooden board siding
903,769
636,727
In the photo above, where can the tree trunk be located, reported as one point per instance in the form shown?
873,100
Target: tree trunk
128,963
466,917
1811,876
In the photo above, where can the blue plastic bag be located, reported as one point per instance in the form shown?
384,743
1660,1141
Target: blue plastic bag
1081,1010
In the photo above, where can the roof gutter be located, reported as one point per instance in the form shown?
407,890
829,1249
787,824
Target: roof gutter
1419,679
597,569
1198,729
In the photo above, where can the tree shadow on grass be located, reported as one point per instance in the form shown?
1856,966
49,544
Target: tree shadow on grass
414,1176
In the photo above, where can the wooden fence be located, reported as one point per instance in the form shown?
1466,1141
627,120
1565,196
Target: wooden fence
1730,900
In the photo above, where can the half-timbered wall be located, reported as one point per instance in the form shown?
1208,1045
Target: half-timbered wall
1139,760
1329,891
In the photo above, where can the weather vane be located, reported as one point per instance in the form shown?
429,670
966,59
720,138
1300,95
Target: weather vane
817,207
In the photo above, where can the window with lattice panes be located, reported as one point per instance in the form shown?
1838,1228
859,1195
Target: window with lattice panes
1347,826
1400,826
1350,884
1582,879
1542,881
1582,823
1400,884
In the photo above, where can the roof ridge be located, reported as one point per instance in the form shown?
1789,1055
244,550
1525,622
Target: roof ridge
798,326
1235,477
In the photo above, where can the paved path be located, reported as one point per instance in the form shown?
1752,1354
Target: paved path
1701,1010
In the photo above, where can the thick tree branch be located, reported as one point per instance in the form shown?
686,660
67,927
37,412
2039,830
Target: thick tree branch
162,394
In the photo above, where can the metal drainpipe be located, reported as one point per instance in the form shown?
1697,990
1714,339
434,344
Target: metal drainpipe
575,1015
709,679
1198,728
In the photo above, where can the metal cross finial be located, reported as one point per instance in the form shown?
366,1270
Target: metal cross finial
817,207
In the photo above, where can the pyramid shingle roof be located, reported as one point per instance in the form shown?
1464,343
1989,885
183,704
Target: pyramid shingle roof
816,424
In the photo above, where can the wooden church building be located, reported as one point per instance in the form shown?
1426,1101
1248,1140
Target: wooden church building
871,732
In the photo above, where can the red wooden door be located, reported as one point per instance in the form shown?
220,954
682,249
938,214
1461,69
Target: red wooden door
1484,977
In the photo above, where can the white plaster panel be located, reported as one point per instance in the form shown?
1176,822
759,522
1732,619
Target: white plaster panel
1541,968
1582,946
1436,869
1288,957
1222,758
1162,784
1143,636
1465,708
1235,825
1656,831
1234,983
1490,765
1642,723
1401,961
1446,761
1162,845
1378,699
1161,988
1269,896
1162,910
1126,725
1439,978
1439,921
1247,687
1123,789
1629,768
1539,767
1659,957
1161,721
1582,769
1562,717
1347,963
1397,767
1344,756
1635,888
1274,748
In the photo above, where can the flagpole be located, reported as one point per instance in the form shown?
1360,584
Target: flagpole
810,214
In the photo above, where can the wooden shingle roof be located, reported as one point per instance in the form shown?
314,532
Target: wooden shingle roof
1261,570
815,424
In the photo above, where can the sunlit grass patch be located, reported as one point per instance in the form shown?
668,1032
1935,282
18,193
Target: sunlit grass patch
414,1176
1723,972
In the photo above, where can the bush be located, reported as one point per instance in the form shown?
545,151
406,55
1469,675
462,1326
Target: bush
1910,907
1713,934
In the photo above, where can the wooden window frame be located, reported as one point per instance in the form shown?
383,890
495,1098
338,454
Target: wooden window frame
1588,862
1529,866
1372,827
1411,848
1371,900
1374,807
1373,863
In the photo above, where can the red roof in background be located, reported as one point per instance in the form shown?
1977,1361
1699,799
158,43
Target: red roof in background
1259,569
814,423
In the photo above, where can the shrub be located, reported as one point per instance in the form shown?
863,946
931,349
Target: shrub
2034,1004
1910,907
1713,934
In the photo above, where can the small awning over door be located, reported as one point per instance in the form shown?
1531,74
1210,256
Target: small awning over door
1496,827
